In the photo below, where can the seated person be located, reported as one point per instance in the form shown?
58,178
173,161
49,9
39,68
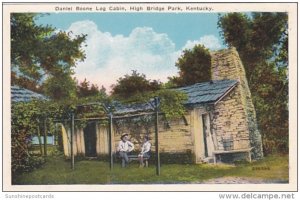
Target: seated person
145,153
124,147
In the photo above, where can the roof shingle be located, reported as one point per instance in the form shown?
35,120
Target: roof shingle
23,95
207,92
199,93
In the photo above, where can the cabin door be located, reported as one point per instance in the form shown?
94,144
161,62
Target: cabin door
90,139
207,137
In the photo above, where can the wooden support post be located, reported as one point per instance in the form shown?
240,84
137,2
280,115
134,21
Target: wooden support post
110,140
45,137
55,136
156,138
39,137
215,159
72,142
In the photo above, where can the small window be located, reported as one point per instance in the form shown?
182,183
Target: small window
227,143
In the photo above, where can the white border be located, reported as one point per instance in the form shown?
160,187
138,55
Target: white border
218,7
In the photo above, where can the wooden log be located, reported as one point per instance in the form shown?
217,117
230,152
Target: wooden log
39,138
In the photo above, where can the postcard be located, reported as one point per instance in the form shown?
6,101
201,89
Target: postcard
150,97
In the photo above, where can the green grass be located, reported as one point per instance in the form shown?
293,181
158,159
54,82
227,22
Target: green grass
58,171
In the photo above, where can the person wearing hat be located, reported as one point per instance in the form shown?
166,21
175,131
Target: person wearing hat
124,148
145,153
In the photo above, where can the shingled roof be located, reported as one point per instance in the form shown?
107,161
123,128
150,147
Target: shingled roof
207,92
23,95
198,94
132,108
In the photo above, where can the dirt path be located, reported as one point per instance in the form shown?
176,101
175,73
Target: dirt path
240,180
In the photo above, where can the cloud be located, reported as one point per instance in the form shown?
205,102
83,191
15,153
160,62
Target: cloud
209,41
109,57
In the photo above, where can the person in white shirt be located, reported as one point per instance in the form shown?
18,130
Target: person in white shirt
145,153
124,148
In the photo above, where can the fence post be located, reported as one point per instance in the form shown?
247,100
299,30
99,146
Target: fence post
45,137
72,142
110,140
39,137
156,137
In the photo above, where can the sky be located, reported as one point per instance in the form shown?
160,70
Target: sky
118,43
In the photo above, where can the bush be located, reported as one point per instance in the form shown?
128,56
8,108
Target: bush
24,123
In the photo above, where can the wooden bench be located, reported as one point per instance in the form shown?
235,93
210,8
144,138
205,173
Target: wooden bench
135,157
218,152
132,157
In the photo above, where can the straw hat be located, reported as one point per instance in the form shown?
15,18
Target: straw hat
123,135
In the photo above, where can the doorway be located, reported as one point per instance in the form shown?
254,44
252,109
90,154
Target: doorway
90,139
207,136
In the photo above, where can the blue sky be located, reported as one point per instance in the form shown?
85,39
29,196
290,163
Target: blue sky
179,27
149,43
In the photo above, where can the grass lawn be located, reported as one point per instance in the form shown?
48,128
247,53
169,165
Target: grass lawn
58,171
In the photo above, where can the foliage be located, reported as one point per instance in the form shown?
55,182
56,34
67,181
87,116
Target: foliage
142,90
27,117
170,106
40,53
25,82
171,103
43,60
135,84
138,127
262,42
194,66
61,86
24,118
26,37
86,89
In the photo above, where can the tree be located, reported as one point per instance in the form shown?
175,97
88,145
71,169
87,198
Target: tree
194,66
134,85
40,52
136,88
26,38
260,38
24,123
42,60
25,82
86,89
60,87
262,42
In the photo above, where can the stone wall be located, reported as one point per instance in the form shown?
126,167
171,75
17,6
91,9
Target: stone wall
229,120
226,64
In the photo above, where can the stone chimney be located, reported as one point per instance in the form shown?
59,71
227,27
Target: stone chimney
226,64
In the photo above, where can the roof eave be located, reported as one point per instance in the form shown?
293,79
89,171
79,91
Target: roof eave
225,94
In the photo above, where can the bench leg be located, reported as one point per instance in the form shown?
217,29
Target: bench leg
146,163
250,157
